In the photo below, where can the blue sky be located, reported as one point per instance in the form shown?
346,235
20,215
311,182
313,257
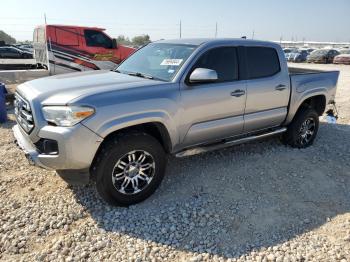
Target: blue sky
322,20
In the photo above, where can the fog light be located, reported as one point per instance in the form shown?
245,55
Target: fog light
47,146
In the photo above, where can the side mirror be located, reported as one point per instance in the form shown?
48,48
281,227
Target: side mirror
203,75
114,43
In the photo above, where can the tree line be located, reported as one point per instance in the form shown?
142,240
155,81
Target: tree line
139,40
6,39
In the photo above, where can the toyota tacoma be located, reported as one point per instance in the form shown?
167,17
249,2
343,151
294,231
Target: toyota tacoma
179,97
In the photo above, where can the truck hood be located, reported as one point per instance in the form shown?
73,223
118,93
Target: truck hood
61,89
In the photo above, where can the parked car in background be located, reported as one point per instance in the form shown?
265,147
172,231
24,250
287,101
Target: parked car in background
310,50
343,58
322,56
297,57
26,47
13,52
288,50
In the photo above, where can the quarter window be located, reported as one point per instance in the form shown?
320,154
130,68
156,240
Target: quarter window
97,39
223,60
67,36
262,62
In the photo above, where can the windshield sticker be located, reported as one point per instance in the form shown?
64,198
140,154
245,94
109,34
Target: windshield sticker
170,71
171,62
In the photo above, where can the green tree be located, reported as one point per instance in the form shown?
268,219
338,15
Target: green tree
123,40
6,38
141,40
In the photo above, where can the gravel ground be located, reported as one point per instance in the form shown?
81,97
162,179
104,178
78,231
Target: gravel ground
255,202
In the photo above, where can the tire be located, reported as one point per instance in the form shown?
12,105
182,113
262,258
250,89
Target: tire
297,134
119,163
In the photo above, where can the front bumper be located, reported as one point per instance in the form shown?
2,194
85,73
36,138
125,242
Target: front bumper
77,147
28,148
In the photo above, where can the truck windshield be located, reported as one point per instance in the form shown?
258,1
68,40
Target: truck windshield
157,61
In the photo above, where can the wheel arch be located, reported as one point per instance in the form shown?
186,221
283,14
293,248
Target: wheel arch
156,129
317,101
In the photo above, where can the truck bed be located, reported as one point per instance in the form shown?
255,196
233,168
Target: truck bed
307,82
301,71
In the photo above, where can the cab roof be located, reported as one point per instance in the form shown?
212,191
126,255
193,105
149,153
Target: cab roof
75,26
200,41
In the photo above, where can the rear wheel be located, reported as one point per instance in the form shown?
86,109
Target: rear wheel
302,131
130,168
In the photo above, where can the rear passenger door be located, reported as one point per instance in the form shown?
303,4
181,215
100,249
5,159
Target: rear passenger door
268,89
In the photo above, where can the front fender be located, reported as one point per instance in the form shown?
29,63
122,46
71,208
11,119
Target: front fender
137,119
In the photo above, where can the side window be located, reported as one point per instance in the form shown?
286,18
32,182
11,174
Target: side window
262,62
223,60
12,50
97,39
67,36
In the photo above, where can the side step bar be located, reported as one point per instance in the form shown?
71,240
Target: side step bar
203,149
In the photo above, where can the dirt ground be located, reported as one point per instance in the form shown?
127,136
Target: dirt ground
261,201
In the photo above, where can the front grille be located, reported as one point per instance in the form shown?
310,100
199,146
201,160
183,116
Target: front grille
23,113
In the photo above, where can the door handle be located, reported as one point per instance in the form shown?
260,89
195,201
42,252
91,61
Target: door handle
238,93
280,87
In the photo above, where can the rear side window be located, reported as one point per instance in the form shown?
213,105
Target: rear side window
223,60
67,36
97,39
262,62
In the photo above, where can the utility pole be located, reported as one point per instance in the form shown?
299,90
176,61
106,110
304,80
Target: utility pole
45,18
216,29
180,29
253,34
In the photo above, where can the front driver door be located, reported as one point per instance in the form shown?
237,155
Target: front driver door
213,111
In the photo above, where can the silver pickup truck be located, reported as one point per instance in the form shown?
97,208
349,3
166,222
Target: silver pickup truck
179,97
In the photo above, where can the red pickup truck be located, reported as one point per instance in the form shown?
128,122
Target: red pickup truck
63,49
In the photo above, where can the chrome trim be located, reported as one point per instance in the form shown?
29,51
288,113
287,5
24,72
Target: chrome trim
23,113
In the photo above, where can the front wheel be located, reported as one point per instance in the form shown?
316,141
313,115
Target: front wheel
129,168
302,132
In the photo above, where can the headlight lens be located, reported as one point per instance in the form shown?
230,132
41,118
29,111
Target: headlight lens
66,115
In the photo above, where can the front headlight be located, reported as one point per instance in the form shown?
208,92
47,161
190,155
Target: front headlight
66,115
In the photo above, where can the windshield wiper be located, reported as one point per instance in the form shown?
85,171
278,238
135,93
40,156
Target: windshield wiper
138,74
